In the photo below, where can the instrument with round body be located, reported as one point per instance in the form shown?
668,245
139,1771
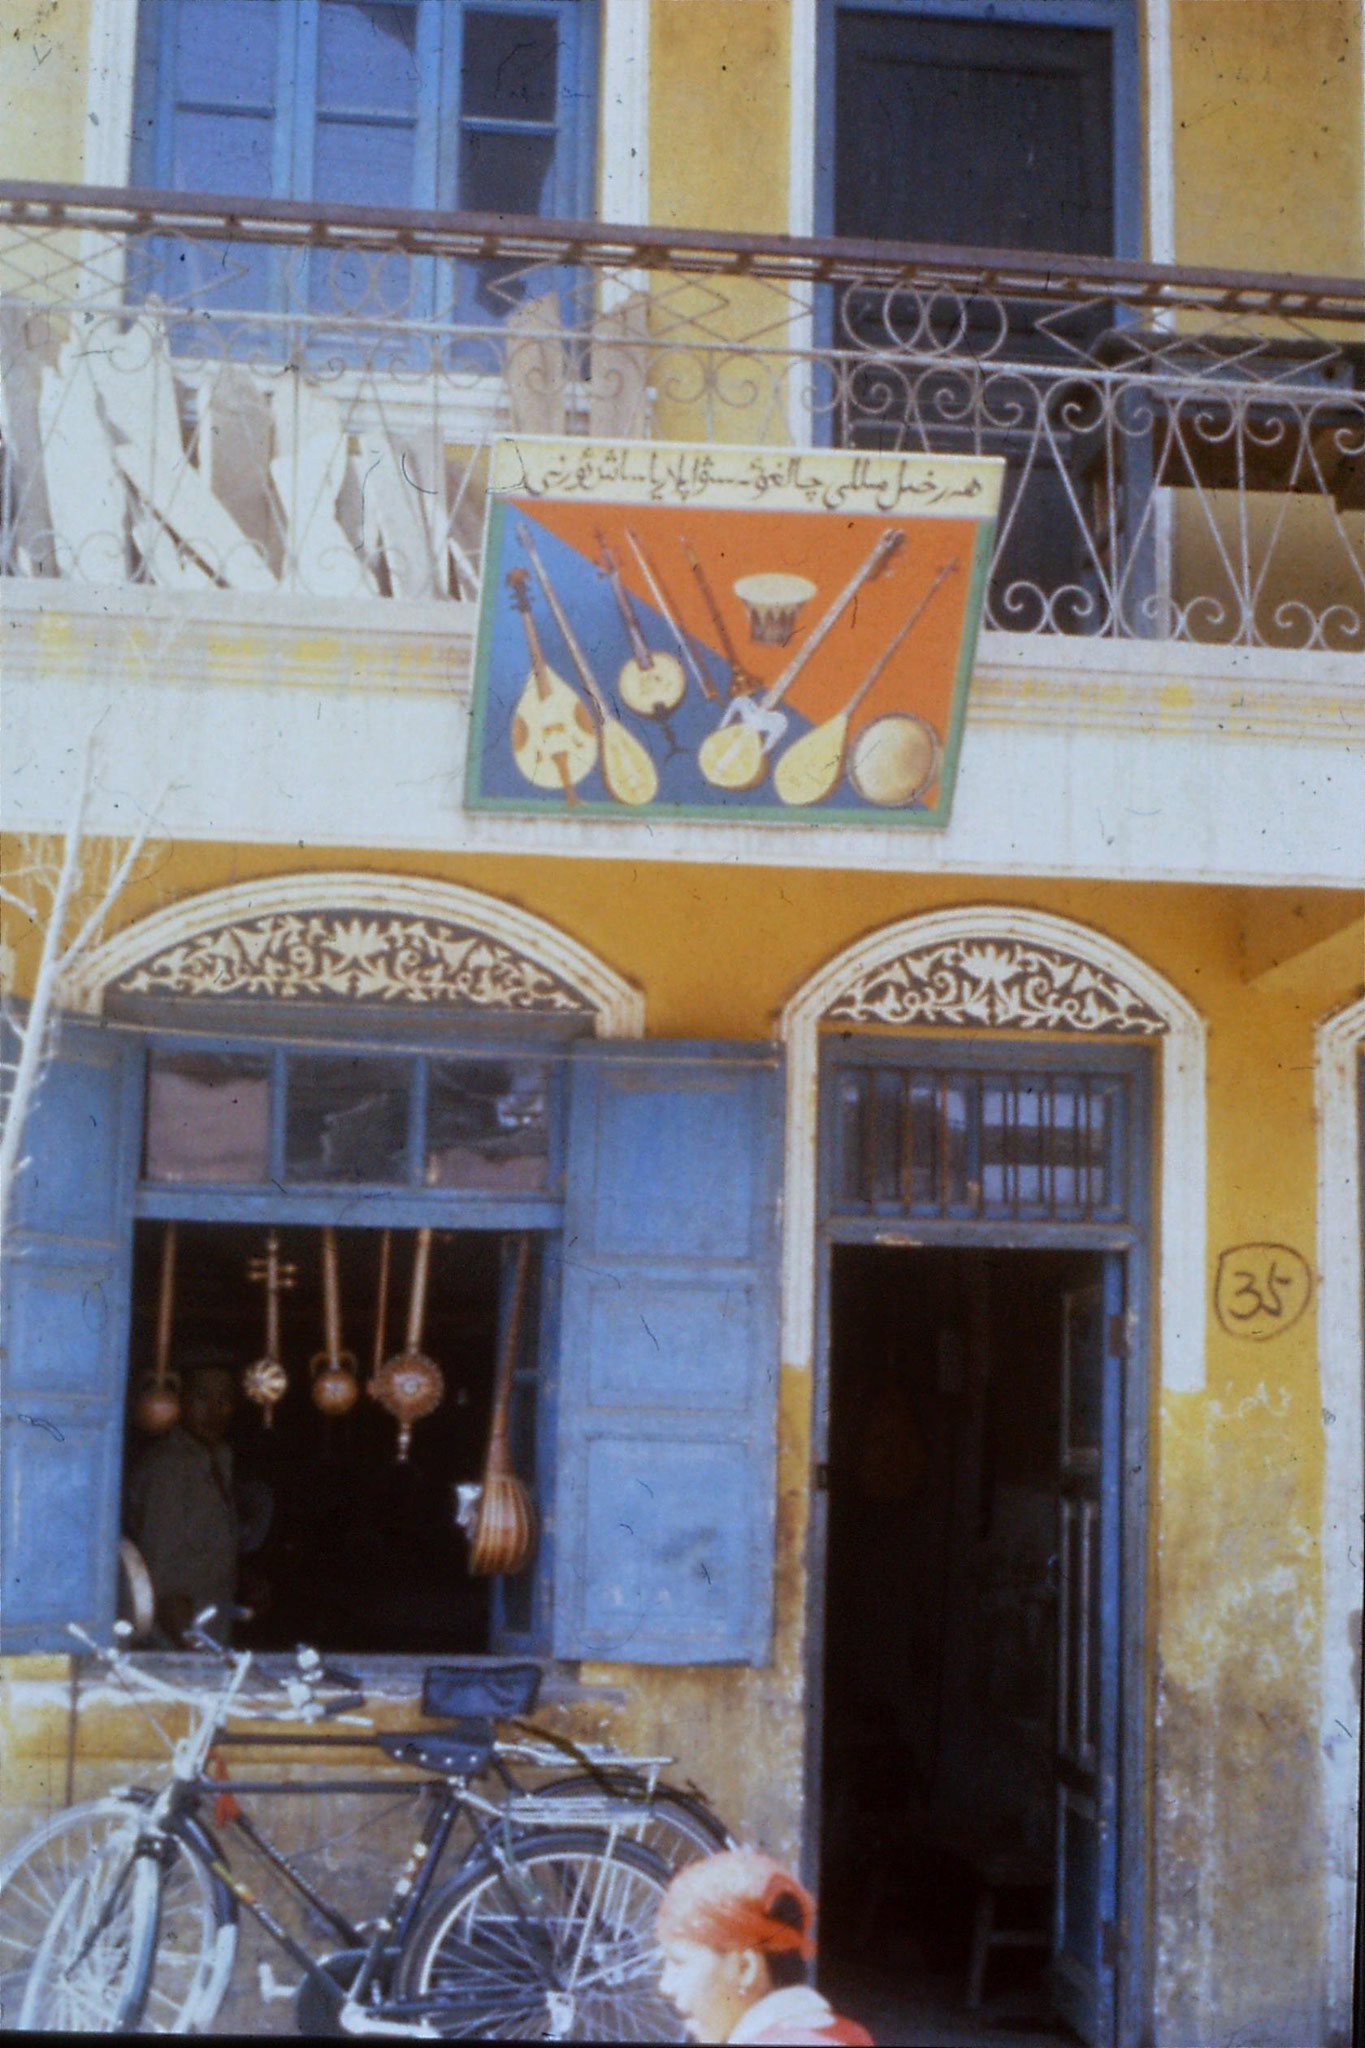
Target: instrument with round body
813,764
649,683
411,1385
336,1386
627,771
735,755
895,759
554,740
266,1382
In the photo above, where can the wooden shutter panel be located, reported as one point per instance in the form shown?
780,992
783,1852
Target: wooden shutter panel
65,1322
668,1356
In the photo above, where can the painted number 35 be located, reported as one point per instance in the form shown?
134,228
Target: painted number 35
1262,1289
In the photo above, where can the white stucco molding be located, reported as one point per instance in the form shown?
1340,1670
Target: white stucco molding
399,938
1340,1044
999,967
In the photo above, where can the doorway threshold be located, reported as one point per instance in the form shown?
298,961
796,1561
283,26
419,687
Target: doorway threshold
927,2011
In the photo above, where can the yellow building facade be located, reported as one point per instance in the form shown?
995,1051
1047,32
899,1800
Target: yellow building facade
1173,822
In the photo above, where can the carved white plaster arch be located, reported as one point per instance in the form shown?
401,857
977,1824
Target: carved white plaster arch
1340,1043
995,966
401,938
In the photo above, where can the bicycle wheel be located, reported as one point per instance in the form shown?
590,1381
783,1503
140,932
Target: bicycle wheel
197,1922
559,1946
90,1973
677,1827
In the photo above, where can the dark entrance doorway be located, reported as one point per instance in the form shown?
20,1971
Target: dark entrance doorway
970,1666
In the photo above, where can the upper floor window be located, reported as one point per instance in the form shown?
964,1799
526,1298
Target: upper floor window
414,104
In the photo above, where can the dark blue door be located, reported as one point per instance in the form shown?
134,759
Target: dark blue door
668,1356
65,1323
1088,1503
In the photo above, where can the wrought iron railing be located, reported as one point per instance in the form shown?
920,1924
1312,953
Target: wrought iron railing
265,396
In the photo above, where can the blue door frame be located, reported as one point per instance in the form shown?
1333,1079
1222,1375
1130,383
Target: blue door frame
1126,1240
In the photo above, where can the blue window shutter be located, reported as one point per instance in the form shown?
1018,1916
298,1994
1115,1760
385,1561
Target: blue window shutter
65,1322
668,1372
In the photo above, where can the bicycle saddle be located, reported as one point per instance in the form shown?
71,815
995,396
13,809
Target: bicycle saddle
459,1752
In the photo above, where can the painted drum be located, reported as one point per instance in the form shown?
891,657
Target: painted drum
773,601
894,759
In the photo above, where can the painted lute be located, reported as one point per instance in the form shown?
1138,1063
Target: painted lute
812,765
649,683
554,741
736,754
627,771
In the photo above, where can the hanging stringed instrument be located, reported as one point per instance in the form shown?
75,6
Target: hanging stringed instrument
627,771
649,683
411,1385
157,1408
266,1382
335,1383
811,766
504,1531
554,741
735,755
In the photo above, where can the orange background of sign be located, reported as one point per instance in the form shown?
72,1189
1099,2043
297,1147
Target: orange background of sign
826,547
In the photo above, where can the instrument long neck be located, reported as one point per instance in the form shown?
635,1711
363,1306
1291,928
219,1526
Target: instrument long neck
331,1294
882,659
638,645
576,654
511,1340
417,1300
382,1304
537,653
272,1296
165,1308
890,539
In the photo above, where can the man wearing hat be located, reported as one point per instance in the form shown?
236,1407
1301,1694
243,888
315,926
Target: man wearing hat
737,1936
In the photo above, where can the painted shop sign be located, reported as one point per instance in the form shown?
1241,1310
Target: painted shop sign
679,631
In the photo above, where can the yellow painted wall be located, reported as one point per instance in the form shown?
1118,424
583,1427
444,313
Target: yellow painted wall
42,88
1236,1469
1268,134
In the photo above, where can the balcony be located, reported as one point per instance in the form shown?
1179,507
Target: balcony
207,394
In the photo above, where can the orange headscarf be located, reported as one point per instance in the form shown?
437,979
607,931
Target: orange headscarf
725,1902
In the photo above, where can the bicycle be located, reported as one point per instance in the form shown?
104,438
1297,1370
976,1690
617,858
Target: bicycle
539,1928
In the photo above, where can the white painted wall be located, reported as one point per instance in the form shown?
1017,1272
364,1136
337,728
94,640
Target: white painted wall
336,726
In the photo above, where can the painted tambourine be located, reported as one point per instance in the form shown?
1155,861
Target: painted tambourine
894,759
136,1598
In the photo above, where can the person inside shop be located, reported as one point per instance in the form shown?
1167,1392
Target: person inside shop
737,1935
182,1513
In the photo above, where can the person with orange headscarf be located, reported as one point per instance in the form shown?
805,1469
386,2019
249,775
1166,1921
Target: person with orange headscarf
737,1935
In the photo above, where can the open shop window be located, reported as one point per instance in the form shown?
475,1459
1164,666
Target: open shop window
297,1462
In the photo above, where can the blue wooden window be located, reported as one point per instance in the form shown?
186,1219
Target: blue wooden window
65,1322
668,1356
425,104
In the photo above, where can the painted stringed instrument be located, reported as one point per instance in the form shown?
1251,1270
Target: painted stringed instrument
812,765
742,680
627,771
554,741
504,1532
736,754
668,613
649,683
